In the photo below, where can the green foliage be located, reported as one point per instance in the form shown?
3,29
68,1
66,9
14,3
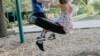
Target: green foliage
86,9
84,2
26,6
76,2
89,9
55,11
96,5
9,5
80,2
81,10
9,25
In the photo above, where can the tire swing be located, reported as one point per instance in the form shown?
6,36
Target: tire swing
47,24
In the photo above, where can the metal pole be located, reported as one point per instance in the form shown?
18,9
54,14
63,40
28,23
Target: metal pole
19,21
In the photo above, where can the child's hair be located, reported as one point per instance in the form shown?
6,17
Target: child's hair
64,1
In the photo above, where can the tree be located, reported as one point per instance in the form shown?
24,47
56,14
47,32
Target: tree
84,6
96,5
3,30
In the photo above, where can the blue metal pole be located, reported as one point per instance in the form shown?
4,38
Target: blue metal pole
19,21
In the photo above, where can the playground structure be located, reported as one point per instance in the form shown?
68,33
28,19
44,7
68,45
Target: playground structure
19,21
88,46
76,24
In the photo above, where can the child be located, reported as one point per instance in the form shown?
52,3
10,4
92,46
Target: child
38,11
65,19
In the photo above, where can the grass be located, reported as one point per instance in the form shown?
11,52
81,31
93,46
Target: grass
82,17
15,24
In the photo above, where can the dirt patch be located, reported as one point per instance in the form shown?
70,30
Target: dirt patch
83,42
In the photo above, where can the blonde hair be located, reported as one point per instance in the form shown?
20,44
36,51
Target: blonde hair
64,1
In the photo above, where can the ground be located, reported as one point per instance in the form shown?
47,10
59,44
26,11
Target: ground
83,42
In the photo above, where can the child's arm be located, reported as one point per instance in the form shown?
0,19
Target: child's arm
55,5
43,1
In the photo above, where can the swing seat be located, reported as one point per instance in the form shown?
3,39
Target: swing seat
47,24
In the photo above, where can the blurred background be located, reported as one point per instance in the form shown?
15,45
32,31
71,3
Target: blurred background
83,10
